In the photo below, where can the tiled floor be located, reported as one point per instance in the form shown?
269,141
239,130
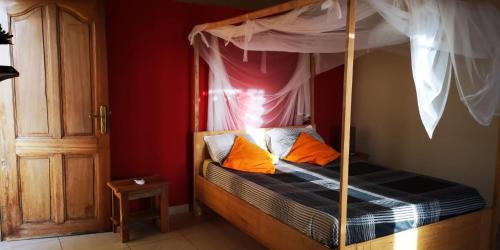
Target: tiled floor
187,232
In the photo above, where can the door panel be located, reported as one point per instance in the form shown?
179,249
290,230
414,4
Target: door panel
34,176
30,87
55,161
75,40
80,187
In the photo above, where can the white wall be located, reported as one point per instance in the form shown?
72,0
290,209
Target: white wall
389,129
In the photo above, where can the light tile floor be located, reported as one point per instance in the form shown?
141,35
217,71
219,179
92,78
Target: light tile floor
186,232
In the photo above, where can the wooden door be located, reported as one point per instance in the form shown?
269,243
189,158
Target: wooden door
54,156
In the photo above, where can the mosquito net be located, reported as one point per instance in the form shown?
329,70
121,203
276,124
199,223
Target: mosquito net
251,84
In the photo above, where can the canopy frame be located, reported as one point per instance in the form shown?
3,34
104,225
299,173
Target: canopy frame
273,10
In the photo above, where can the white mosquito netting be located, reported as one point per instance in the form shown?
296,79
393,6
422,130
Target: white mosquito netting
447,38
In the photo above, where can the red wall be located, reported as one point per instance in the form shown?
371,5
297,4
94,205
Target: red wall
328,104
149,68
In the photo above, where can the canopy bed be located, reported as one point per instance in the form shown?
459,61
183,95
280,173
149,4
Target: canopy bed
442,47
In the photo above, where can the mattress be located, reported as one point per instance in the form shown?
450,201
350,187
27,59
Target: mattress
381,201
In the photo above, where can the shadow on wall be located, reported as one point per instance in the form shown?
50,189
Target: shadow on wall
386,116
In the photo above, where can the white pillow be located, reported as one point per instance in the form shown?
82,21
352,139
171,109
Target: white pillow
280,140
219,146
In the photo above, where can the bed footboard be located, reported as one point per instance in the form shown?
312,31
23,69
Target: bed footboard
468,231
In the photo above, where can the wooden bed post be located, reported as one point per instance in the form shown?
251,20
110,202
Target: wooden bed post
266,12
312,63
196,98
346,120
496,194
196,80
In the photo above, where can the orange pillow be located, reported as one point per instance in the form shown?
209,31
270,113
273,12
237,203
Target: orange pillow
248,157
307,149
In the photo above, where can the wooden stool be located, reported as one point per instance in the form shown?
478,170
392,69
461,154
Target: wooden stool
126,190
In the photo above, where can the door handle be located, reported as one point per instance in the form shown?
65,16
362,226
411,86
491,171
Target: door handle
103,118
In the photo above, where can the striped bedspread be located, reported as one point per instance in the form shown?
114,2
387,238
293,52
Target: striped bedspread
381,201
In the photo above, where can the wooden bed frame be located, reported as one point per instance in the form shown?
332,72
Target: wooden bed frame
470,231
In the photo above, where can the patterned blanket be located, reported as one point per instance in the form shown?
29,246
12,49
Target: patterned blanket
381,201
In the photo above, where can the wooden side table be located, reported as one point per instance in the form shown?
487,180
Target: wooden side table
124,191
